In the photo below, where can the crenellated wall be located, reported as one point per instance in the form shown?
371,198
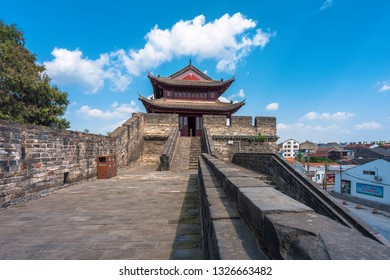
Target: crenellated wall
157,129
129,140
240,136
160,124
35,160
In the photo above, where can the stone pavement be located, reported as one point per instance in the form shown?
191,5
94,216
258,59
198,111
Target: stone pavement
139,214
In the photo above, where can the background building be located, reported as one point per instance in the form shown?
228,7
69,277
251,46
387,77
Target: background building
190,93
290,148
369,181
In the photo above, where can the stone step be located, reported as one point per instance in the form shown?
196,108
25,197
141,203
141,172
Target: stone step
195,152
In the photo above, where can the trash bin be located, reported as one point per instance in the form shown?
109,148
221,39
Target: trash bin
106,166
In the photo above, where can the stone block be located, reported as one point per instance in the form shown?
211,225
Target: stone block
241,121
312,236
234,241
222,209
233,184
214,193
255,203
266,125
214,120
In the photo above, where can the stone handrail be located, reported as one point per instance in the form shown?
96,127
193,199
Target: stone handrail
169,149
208,140
301,189
286,228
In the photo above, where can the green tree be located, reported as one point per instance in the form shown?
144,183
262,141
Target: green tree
26,94
299,157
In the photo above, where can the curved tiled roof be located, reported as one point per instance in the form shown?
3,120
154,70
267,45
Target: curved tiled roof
190,105
190,67
190,83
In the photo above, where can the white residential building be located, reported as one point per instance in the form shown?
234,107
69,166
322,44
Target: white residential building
290,148
370,181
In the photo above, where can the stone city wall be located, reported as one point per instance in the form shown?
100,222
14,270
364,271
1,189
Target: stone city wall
240,125
283,227
240,136
151,151
293,184
35,159
226,147
129,140
160,124
157,129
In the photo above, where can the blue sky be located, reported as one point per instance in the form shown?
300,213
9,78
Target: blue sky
321,67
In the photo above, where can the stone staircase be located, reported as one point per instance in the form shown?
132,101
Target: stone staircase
195,152
187,152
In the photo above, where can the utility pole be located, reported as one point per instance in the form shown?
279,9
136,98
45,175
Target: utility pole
341,178
325,184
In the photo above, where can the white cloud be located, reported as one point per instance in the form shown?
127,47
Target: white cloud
227,40
316,133
71,68
338,116
300,127
310,116
333,127
290,127
384,86
326,5
230,98
117,111
224,99
368,126
272,107
241,94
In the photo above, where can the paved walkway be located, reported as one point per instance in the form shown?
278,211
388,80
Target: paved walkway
139,214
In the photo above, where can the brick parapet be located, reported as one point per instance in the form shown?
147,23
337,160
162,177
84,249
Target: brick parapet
35,159
292,183
284,227
160,124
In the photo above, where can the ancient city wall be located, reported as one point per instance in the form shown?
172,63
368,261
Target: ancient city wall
35,159
240,136
129,140
157,129
240,125
283,227
291,183
160,124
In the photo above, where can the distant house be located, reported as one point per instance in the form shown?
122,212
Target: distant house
307,148
329,145
355,146
370,181
365,154
340,155
321,152
290,148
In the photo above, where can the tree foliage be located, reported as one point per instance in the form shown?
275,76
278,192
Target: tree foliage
26,94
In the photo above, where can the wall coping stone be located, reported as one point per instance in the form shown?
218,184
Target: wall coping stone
225,235
292,230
